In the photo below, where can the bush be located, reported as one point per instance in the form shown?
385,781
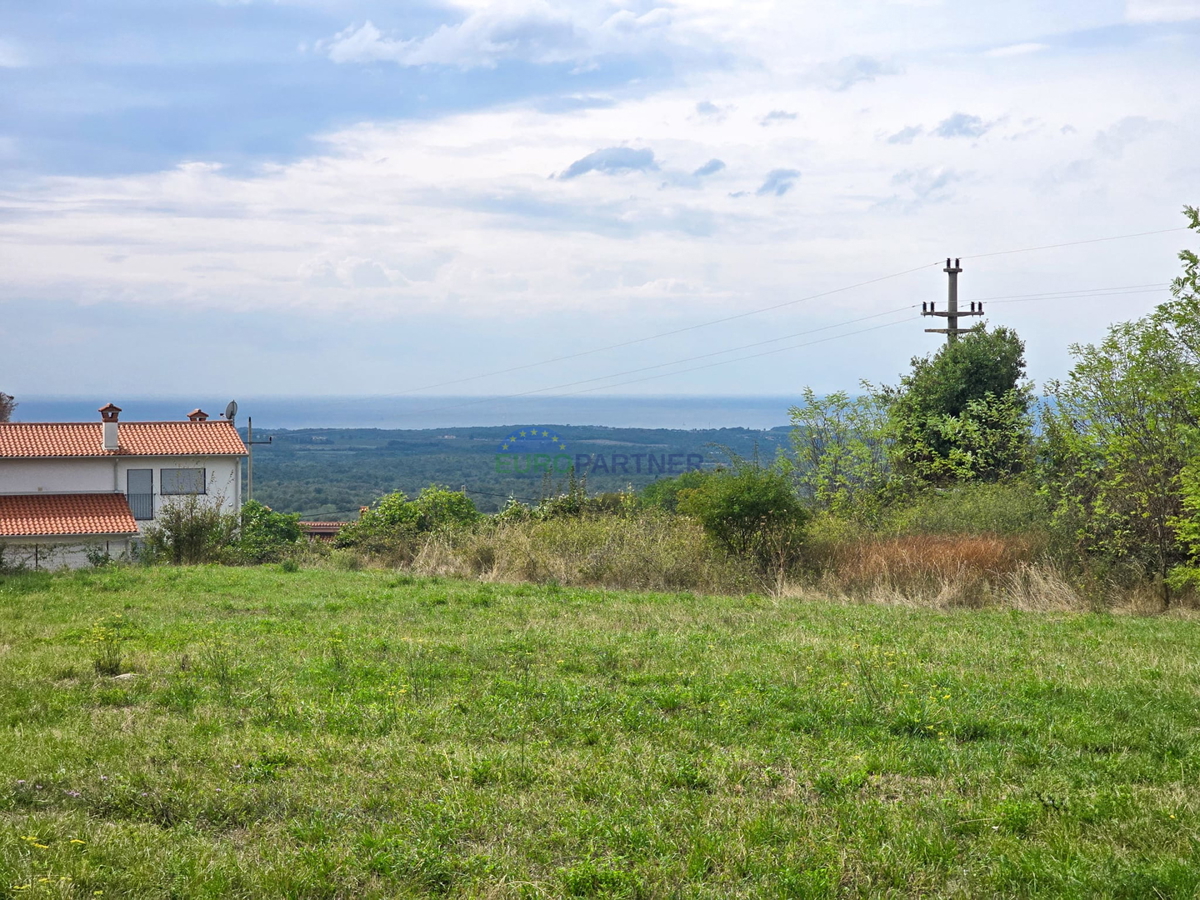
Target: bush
752,512
191,530
395,520
438,508
265,534
1006,507
664,493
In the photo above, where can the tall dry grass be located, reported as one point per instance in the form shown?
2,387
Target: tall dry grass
651,551
946,571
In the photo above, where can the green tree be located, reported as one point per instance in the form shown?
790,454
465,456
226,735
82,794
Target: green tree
842,448
963,413
1121,434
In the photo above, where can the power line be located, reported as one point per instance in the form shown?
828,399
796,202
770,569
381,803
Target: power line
1014,299
662,334
555,387
1119,237
771,308
743,358
1098,292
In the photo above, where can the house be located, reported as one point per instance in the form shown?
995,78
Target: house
74,491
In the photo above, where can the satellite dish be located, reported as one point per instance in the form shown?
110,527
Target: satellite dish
231,410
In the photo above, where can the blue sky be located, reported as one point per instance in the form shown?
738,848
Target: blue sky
376,198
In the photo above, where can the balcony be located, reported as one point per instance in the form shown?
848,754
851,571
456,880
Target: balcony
141,505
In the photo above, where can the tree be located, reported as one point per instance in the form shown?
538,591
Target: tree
7,405
1121,435
962,414
843,448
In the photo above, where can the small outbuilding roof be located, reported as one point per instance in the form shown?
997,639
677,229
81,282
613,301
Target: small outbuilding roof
65,515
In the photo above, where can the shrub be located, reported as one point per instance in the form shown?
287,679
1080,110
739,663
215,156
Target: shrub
664,493
439,507
1006,507
751,512
191,530
393,518
264,533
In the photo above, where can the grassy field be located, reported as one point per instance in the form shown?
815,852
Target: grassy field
258,733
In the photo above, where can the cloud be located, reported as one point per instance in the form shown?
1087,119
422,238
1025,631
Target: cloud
574,103
1162,10
926,185
851,70
712,167
961,125
541,33
1016,50
707,111
612,161
352,271
778,182
777,115
905,135
1113,140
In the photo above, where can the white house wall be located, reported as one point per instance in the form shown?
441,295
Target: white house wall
64,554
223,476
57,476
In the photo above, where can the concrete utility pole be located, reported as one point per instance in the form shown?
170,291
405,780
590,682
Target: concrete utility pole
250,442
952,313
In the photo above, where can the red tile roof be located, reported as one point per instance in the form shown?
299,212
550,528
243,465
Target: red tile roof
55,515
25,440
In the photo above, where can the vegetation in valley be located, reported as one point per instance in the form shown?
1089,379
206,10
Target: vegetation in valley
256,732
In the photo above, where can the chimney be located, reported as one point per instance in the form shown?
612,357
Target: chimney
197,415
108,415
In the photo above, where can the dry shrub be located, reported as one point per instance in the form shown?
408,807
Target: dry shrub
647,552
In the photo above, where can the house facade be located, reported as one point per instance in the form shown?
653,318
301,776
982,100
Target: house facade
71,492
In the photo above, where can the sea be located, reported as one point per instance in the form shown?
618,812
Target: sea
681,412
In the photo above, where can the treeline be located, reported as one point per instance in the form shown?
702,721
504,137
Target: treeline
330,473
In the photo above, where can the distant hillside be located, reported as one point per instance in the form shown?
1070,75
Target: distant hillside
329,473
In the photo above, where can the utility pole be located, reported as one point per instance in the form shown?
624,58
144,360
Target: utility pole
952,313
250,442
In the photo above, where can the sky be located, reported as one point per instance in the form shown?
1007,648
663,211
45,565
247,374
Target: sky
534,197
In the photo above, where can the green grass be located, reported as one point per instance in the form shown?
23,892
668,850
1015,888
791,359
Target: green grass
361,734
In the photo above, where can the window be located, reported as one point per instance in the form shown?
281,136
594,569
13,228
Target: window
181,481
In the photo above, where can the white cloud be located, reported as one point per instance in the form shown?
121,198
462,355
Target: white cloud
534,31
1016,50
1162,10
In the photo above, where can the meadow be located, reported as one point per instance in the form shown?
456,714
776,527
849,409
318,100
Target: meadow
260,732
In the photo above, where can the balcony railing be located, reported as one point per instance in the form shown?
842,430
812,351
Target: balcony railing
141,505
